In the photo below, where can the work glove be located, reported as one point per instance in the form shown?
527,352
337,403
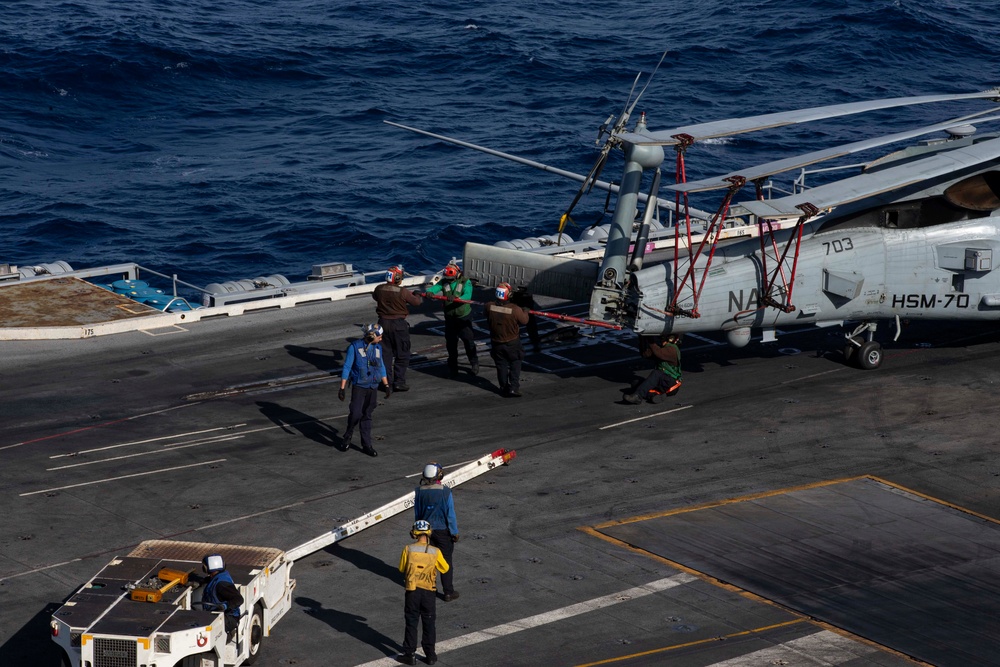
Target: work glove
454,538
388,391
341,394
450,298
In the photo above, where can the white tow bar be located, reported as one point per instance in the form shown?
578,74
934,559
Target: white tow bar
452,479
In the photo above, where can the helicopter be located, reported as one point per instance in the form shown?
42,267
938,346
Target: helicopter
913,234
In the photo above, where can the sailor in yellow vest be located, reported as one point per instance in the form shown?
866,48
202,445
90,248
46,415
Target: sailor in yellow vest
420,563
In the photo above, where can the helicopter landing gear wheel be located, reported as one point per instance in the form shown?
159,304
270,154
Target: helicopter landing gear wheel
851,348
870,355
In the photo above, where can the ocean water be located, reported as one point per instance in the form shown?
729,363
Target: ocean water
226,139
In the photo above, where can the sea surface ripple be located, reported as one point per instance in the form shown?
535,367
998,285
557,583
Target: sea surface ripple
226,139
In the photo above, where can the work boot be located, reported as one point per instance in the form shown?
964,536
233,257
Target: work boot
401,387
513,393
431,659
448,597
406,658
345,443
632,399
370,451
475,367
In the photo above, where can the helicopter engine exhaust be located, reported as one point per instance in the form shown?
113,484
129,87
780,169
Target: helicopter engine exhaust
738,337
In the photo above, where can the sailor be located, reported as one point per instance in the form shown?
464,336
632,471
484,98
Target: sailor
457,317
525,300
433,503
505,320
220,593
420,562
392,302
363,366
665,378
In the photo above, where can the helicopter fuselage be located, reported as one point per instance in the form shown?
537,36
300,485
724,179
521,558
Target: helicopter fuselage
863,273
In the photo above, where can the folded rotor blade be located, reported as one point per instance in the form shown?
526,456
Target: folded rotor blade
799,161
728,127
573,176
831,195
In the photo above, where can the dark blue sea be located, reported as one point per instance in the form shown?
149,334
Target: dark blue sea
224,139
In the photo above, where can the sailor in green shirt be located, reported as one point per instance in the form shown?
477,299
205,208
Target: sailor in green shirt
457,317
665,379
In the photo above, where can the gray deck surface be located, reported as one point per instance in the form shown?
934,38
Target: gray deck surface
917,576
224,432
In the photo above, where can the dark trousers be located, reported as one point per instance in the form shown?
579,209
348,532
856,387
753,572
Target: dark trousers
508,357
395,349
455,329
527,302
419,605
363,402
442,540
659,383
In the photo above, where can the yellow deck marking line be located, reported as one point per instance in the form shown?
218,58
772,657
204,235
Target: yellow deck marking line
699,642
749,594
545,618
728,501
745,593
206,441
932,498
112,479
629,421
143,442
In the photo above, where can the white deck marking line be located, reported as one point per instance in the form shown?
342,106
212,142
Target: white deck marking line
822,648
184,445
563,359
149,332
814,375
657,414
93,426
40,569
704,339
112,479
143,442
453,465
548,617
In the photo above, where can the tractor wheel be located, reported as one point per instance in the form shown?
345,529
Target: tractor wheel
256,634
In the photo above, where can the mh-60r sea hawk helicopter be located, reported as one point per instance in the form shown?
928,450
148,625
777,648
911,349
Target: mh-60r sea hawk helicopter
915,234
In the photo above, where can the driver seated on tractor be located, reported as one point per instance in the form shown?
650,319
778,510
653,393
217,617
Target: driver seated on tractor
221,593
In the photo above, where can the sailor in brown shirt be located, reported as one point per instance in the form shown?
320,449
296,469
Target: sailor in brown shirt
392,306
504,320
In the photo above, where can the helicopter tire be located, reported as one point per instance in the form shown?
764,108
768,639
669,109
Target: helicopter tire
870,355
849,353
851,350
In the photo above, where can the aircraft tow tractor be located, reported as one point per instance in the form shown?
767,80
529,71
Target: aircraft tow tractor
144,608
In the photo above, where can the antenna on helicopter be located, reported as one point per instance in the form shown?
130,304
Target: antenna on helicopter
612,142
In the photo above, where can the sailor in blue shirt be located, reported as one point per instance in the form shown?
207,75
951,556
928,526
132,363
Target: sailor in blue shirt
433,503
364,367
220,593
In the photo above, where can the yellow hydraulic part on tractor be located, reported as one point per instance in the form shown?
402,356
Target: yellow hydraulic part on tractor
171,577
